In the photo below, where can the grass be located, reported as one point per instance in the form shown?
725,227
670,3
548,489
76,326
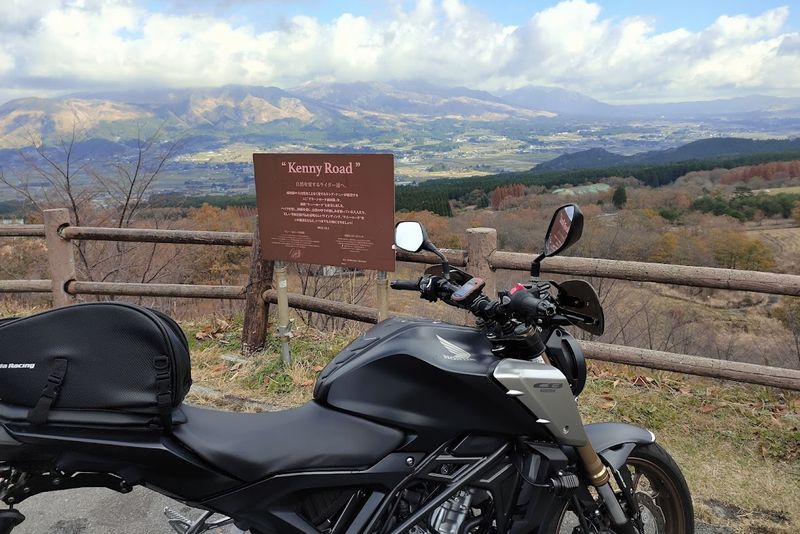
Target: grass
262,378
738,445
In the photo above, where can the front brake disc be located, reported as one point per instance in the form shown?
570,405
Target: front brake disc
652,514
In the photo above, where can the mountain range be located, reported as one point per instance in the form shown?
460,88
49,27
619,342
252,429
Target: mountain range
702,149
336,107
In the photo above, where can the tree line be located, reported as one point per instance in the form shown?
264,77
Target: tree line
744,205
436,192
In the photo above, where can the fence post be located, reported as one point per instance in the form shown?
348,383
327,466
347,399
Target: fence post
256,309
481,243
382,295
60,255
284,325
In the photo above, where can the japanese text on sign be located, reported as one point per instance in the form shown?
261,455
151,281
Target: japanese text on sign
327,209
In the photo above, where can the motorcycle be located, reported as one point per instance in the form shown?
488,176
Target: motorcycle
416,427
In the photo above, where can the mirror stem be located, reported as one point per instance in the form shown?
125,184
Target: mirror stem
536,265
445,264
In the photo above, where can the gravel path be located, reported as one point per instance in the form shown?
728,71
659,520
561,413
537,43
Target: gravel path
102,511
98,511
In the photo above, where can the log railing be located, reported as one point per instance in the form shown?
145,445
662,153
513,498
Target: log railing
480,257
684,275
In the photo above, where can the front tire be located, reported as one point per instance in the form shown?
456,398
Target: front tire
660,490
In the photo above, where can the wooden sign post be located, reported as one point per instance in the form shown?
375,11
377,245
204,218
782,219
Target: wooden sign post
326,209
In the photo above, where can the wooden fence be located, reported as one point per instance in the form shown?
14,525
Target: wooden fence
480,258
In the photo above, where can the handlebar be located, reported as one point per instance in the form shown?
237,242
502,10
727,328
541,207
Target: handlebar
522,304
430,287
405,285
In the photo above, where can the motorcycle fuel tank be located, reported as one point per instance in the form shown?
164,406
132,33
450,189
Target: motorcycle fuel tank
424,376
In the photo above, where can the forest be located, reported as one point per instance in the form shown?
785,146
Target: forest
432,194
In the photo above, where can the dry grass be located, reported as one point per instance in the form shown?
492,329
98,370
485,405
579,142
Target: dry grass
738,445
262,378
785,242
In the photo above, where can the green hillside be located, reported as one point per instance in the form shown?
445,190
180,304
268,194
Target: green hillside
412,198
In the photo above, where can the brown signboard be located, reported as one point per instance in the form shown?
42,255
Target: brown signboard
327,209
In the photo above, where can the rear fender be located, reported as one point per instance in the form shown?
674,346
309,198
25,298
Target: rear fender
8,445
615,441
6,439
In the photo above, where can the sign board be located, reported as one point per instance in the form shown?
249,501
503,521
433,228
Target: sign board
327,209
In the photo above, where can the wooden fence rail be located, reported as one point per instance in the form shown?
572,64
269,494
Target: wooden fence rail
694,365
26,286
156,290
652,359
354,312
481,258
27,230
684,275
142,235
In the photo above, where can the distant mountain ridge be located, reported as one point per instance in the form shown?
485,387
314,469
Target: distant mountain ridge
224,108
237,108
572,103
761,104
557,100
703,149
424,99
415,119
322,105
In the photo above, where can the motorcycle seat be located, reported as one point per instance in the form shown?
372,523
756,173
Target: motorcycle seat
252,446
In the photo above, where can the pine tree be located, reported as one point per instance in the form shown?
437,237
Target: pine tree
620,197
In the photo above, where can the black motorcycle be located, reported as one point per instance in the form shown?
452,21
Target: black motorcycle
417,427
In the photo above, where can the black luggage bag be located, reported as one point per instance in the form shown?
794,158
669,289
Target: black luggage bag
94,363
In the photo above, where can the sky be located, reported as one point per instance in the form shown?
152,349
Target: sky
613,50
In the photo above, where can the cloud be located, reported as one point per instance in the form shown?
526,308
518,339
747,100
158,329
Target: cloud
78,44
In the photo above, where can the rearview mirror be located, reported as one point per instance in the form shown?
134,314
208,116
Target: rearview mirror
412,237
564,230
409,236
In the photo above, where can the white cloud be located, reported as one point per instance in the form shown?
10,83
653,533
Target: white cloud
79,44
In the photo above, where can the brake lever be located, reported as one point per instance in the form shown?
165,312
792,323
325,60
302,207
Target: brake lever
427,288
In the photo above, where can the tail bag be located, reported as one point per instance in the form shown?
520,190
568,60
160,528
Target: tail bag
93,362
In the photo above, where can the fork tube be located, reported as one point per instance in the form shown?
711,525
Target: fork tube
599,476
595,470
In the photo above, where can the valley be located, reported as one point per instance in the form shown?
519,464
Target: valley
434,132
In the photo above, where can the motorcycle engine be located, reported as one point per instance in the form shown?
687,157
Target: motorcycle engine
448,518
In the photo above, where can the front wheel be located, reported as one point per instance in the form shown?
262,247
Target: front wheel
659,489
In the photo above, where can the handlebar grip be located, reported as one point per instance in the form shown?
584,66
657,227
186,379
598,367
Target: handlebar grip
405,285
526,305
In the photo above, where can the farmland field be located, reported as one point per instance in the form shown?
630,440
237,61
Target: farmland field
785,242
793,190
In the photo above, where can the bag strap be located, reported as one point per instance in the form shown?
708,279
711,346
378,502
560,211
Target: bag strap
58,370
163,391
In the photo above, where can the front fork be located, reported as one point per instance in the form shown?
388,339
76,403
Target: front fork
599,476
545,392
